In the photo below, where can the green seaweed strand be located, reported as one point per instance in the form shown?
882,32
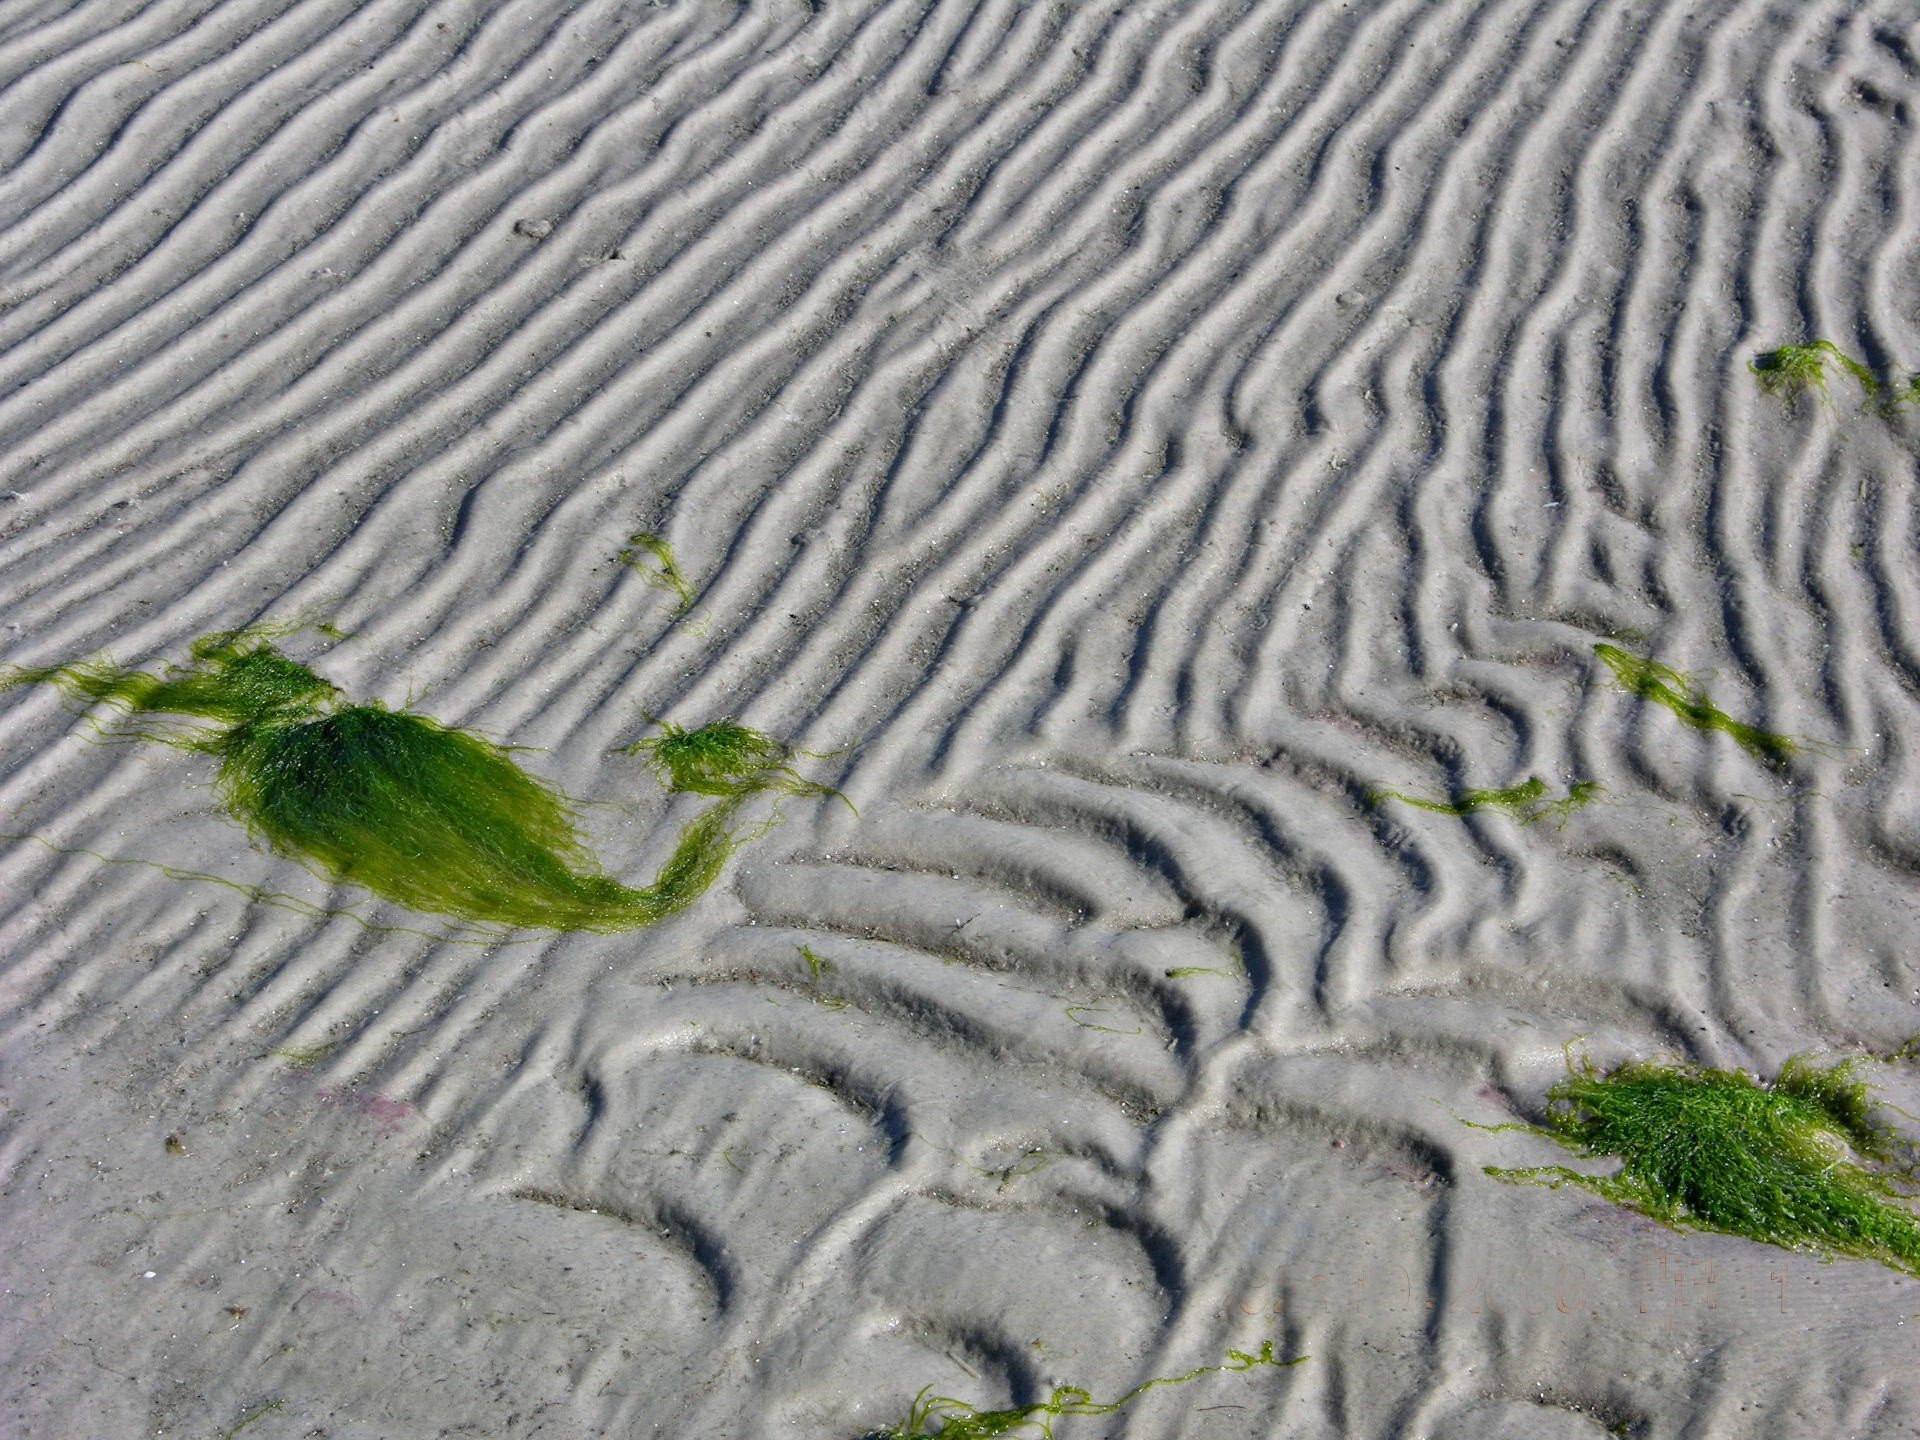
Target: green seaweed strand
1796,370
1679,693
236,678
437,819
953,1419
664,573
724,758
1799,1163
1524,802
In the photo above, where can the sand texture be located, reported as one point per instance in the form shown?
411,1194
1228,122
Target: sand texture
1120,442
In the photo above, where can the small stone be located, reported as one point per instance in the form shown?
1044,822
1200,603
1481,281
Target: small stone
533,229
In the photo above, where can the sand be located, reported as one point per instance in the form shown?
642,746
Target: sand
1120,439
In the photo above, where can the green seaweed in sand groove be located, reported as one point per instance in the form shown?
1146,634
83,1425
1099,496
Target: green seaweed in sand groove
1800,1163
1679,693
664,574
726,759
437,819
1796,370
956,1420
1524,802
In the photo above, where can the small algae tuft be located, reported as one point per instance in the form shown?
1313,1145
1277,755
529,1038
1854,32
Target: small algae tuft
726,759
1679,693
1796,370
304,1057
948,1419
1525,802
664,573
817,967
1800,1163
440,820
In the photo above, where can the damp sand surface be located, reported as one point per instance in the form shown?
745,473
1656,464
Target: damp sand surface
813,721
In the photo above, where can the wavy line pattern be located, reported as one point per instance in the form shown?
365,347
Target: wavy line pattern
1128,436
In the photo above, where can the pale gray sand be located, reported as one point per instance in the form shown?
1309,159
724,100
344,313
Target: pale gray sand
1125,435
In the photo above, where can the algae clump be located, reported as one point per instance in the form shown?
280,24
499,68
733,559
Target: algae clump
957,1420
1679,693
1796,370
665,572
1800,1163
724,758
1525,802
437,819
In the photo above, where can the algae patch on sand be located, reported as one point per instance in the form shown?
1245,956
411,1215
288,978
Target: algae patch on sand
1799,1162
1680,694
943,1417
664,573
1796,370
440,820
727,759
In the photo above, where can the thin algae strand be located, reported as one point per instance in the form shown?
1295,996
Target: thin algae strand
952,1419
664,573
1682,695
1525,802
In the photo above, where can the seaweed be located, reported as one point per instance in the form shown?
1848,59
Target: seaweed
304,1057
437,819
252,1416
953,1419
1525,802
1800,1163
665,572
817,967
1679,693
727,759
1795,370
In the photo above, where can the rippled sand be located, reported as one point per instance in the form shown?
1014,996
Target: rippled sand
1122,440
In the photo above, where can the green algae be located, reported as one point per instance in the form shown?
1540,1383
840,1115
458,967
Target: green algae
304,1057
664,573
256,1415
952,1419
439,820
1679,693
1800,1163
1796,370
1094,1007
1525,802
817,967
727,759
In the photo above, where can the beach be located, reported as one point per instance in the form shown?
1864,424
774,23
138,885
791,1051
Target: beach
720,714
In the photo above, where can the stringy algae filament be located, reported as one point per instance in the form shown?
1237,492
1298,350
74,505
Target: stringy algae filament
724,758
664,574
1679,693
957,1420
1800,1163
1796,370
437,819
1524,802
